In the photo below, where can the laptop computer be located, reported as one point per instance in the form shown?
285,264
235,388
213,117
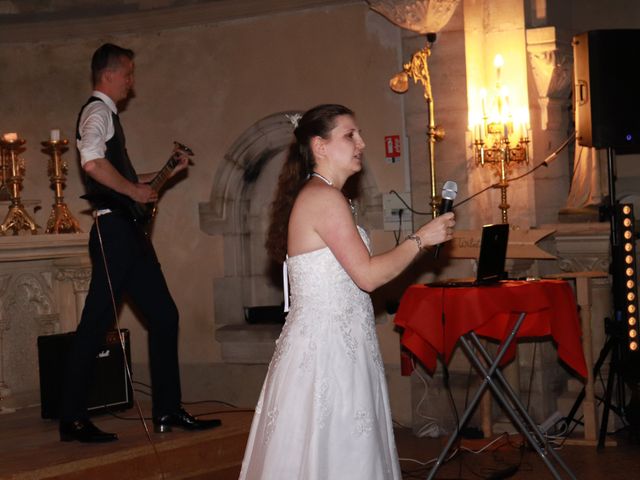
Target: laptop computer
491,259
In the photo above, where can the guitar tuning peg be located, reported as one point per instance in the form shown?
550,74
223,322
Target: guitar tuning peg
183,147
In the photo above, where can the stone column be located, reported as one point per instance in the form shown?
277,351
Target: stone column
549,51
72,284
551,62
28,310
5,391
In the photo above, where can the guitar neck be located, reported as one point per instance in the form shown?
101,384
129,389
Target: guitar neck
163,175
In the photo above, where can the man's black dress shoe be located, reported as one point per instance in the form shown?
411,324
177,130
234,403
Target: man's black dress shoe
182,419
84,431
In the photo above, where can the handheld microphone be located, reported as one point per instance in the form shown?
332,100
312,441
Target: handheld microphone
449,192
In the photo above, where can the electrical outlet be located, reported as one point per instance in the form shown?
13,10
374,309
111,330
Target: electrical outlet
394,211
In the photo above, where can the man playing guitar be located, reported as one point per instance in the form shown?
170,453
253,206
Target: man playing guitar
122,256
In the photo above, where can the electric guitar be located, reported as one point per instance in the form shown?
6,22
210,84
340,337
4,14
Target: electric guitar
143,213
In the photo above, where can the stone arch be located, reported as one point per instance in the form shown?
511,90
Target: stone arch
228,212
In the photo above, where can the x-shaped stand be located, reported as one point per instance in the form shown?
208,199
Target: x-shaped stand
494,379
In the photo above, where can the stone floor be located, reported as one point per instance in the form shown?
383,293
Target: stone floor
29,449
587,463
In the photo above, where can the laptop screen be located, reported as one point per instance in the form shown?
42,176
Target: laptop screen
493,253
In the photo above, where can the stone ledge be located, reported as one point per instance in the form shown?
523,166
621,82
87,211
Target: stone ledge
25,29
15,248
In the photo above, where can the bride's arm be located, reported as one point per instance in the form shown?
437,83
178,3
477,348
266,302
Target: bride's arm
330,217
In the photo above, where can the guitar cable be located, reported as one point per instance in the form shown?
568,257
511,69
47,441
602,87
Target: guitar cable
123,350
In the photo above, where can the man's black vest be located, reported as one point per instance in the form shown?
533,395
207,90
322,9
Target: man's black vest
100,196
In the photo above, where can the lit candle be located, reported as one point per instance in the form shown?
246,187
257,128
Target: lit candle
55,135
524,123
10,137
498,62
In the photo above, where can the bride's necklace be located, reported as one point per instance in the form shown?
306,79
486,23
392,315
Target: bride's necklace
324,179
330,183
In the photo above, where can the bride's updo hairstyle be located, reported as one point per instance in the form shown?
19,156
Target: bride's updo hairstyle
317,122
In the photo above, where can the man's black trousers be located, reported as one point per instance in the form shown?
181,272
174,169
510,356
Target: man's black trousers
133,270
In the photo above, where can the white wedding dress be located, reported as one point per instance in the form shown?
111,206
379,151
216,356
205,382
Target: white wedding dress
323,413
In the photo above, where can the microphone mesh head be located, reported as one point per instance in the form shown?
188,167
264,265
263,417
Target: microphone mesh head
450,190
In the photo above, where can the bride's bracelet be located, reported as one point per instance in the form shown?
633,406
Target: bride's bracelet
416,239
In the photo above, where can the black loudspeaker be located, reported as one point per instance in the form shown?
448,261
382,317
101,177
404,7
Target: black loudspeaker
110,390
606,66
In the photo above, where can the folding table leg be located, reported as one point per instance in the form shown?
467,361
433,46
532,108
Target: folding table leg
476,398
521,408
511,403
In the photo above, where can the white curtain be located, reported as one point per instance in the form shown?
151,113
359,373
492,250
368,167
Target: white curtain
585,183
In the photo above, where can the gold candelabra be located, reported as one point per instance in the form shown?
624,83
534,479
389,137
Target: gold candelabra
499,139
13,169
418,70
60,220
4,189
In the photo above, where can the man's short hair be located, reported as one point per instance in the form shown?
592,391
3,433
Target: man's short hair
106,57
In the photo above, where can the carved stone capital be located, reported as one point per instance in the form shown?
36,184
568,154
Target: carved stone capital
551,61
584,264
80,277
583,247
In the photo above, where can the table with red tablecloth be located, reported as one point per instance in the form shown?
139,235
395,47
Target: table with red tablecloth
434,318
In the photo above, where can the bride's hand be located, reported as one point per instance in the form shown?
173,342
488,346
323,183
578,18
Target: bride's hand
438,230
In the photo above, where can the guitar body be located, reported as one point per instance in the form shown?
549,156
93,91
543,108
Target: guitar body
142,213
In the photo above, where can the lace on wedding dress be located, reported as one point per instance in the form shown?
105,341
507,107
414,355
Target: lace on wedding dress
323,412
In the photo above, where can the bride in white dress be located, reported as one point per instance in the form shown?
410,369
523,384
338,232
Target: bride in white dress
323,413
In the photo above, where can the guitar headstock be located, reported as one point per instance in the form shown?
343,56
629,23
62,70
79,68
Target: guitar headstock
182,148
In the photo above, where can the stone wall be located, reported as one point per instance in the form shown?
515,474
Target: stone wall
203,84
209,71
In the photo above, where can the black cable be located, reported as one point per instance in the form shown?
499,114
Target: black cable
415,212
195,402
533,363
399,233
214,412
447,385
140,417
198,402
544,163
508,470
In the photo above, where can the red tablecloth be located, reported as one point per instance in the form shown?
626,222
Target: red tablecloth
434,318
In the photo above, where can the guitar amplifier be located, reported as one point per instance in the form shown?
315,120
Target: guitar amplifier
110,389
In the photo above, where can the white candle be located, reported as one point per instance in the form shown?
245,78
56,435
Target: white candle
55,135
10,137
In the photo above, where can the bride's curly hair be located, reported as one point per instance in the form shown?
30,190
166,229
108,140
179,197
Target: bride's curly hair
317,122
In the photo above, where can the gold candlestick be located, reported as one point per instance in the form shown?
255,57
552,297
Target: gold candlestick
60,220
17,218
4,189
